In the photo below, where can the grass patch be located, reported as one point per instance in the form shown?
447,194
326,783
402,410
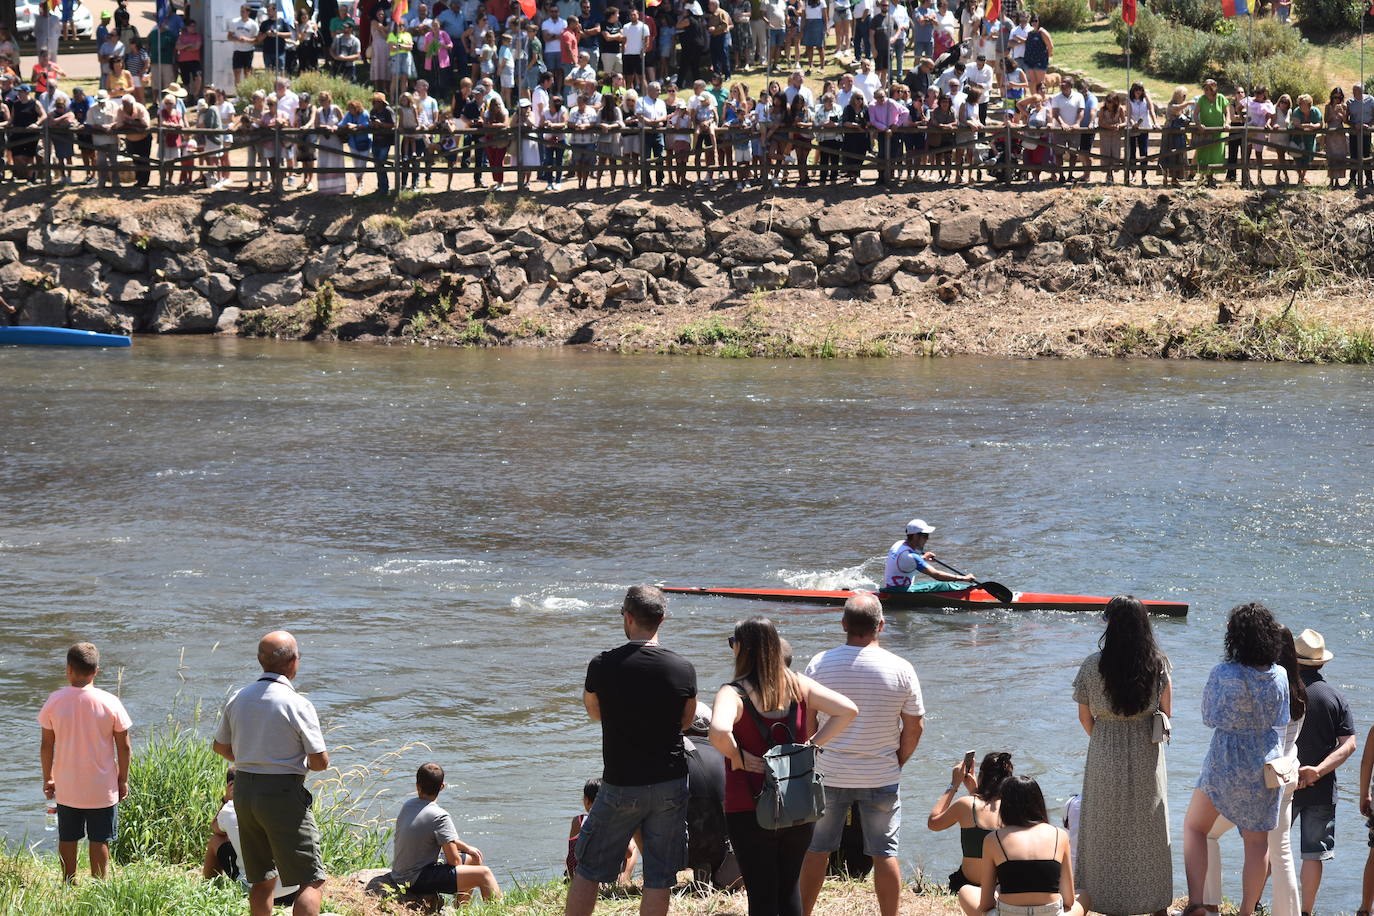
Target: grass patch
313,82
1285,337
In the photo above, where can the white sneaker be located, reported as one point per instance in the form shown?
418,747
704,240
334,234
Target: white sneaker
290,182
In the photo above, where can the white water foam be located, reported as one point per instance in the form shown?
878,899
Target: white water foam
548,603
408,566
829,579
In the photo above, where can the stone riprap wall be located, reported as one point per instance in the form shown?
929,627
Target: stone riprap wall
484,271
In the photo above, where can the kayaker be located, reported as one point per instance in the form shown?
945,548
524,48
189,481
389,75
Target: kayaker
908,557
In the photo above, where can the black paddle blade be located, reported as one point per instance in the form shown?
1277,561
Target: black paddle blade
997,590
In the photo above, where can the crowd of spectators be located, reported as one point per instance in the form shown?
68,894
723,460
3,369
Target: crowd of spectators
591,92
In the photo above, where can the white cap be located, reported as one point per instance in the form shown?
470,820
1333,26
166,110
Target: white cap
918,526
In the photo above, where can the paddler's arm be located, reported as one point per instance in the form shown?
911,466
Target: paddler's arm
940,575
593,705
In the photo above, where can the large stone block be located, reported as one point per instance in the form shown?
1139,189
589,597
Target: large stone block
261,291
960,231
184,311
274,252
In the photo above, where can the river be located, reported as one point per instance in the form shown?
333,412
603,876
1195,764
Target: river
449,532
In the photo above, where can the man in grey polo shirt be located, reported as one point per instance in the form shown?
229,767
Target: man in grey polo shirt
272,736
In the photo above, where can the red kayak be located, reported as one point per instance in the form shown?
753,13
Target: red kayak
969,599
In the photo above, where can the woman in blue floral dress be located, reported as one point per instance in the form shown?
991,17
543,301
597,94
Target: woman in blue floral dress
1246,702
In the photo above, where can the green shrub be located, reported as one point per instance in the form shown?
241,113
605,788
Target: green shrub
1181,53
1329,15
175,785
313,82
1203,15
1142,37
1284,73
1062,15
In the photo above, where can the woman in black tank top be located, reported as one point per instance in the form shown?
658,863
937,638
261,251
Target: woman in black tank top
1028,866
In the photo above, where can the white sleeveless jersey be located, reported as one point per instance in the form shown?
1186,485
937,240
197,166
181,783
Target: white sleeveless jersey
902,564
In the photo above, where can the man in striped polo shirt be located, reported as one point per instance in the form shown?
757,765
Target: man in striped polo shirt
864,765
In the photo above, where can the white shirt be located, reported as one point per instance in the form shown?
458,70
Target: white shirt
651,109
244,30
636,34
288,103
949,24
1068,108
1140,112
884,686
867,84
898,20
1018,42
552,30
427,110
539,104
842,97
228,821
791,93
902,561
775,14
981,76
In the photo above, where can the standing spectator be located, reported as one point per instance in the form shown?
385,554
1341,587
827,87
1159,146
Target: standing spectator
815,26
884,117
45,75
1261,116
1110,120
401,62
1246,701
862,11
435,47
1237,113
898,26
243,35
745,722
1284,901
328,117
346,53
589,39
277,31
63,124
923,31
1307,120
497,140
100,118
307,40
1141,118
644,696
1211,117
109,50
272,736
1337,144
1326,741
551,31
382,121
170,124
652,113
134,125
612,42
855,142
46,27
775,19
864,764
1360,119
1067,107
1126,865
1086,122
162,54
1038,49
379,66
139,67
718,25
85,756
636,45
190,45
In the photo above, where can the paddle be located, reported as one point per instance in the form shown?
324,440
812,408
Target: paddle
995,589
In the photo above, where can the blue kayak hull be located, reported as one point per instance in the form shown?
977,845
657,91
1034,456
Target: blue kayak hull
60,337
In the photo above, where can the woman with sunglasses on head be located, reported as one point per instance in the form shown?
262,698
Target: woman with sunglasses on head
1125,863
770,860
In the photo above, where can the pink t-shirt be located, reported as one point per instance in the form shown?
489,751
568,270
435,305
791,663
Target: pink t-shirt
85,768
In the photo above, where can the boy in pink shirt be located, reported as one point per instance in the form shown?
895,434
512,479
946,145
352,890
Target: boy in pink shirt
85,757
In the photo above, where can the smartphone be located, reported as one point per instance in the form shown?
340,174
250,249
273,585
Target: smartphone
968,762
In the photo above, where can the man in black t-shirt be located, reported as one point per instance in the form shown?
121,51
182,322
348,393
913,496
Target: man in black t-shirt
644,696
1326,741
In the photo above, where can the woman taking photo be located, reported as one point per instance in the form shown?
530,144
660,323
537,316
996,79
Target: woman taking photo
1124,865
976,815
1246,701
1027,864
1285,900
770,860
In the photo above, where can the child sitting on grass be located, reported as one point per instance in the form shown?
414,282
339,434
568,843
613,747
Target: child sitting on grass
589,792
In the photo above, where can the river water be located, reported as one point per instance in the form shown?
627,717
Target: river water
449,532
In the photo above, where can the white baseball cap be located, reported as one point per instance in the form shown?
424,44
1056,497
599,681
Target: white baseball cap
918,526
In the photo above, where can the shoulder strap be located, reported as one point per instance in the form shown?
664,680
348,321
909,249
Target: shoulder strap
1055,855
997,835
764,726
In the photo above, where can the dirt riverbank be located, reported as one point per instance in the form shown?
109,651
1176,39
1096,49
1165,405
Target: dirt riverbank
1022,272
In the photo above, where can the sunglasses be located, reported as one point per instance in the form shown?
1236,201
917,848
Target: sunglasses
730,641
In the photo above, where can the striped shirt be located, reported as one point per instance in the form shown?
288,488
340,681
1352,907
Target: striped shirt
884,687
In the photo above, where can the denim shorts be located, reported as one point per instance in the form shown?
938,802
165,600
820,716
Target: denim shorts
777,38
659,810
880,815
99,825
1316,832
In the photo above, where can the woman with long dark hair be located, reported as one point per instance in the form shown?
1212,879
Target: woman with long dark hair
1246,701
770,860
1028,864
1285,900
976,815
1125,865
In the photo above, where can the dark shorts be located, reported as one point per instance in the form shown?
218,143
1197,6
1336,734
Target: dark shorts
99,825
1316,832
276,829
188,70
435,879
1085,143
243,60
634,63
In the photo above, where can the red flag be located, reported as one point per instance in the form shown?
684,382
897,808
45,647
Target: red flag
994,13
1128,12
529,8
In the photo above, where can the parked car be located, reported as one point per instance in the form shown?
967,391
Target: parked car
26,11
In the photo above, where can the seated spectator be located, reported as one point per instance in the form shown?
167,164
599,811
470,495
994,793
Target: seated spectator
977,816
424,832
589,792
1028,864
222,851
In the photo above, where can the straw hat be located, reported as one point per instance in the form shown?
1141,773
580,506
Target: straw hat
174,88
1311,648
